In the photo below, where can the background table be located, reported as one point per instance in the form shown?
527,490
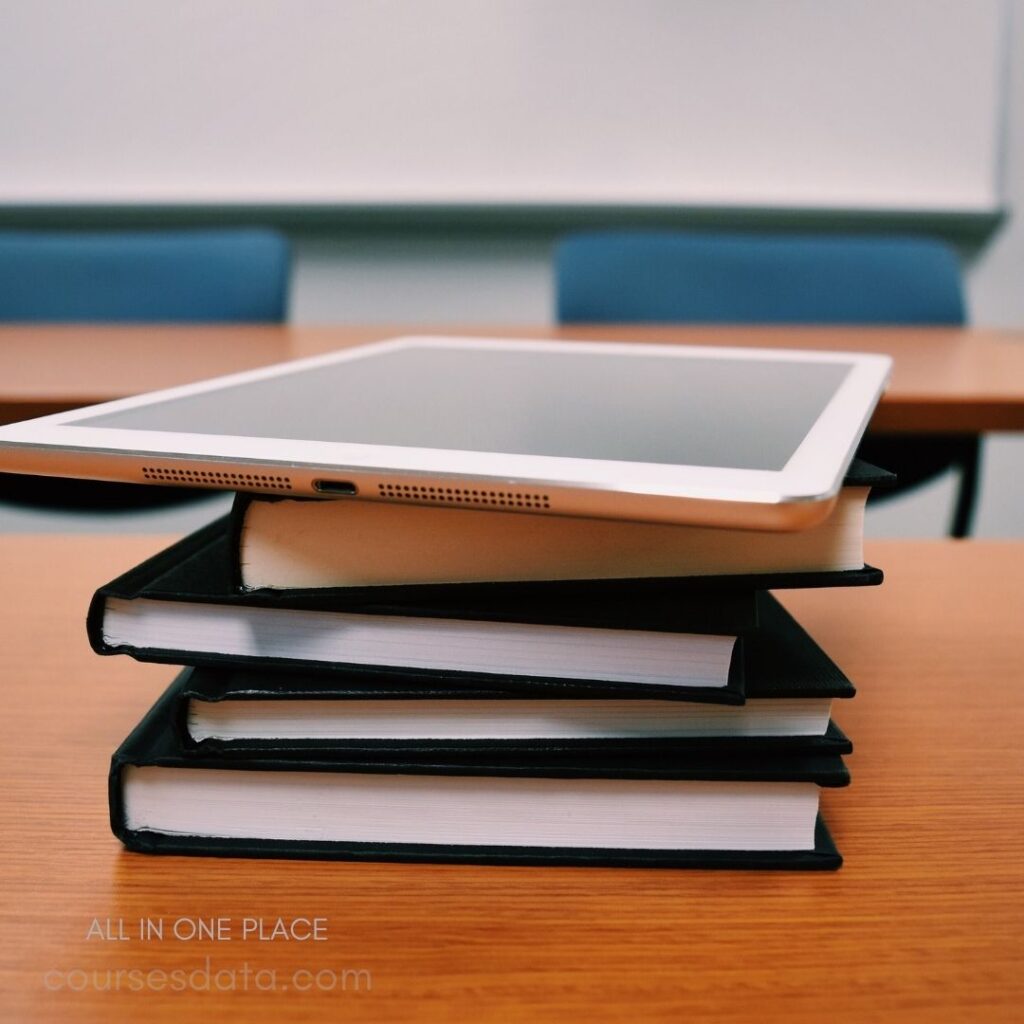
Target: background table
945,380
924,922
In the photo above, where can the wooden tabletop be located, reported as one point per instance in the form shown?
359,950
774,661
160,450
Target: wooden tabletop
944,379
923,923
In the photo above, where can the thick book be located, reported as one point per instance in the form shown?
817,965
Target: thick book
310,544
611,808
790,686
181,607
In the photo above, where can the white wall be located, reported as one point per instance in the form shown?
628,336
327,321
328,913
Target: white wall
786,102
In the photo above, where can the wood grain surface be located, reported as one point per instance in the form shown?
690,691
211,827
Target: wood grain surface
923,923
944,379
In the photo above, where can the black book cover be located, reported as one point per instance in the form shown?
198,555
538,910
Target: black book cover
156,741
543,593
782,661
197,570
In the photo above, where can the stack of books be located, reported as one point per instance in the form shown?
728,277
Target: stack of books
377,681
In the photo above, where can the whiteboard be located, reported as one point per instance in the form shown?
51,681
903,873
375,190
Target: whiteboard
874,104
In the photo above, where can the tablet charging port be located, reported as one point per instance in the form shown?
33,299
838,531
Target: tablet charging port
335,487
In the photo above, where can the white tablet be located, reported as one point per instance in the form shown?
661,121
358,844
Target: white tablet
749,438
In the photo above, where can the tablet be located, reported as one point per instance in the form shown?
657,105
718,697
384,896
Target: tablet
750,438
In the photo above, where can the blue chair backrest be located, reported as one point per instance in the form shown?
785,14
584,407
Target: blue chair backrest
236,275
683,277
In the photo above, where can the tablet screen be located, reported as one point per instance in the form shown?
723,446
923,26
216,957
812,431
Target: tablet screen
706,411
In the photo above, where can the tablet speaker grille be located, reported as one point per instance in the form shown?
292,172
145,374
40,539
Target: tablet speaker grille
425,495
216,478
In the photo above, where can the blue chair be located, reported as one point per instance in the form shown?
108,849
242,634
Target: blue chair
222,276
230,276
677,277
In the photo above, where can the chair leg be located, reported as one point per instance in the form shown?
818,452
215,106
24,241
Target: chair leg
966,498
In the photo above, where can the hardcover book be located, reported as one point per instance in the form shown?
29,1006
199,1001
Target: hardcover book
291,543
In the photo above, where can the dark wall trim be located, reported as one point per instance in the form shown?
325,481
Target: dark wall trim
960,228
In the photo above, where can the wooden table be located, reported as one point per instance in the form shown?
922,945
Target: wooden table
923,923
945,380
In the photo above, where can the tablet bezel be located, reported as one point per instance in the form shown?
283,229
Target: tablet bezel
795,496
